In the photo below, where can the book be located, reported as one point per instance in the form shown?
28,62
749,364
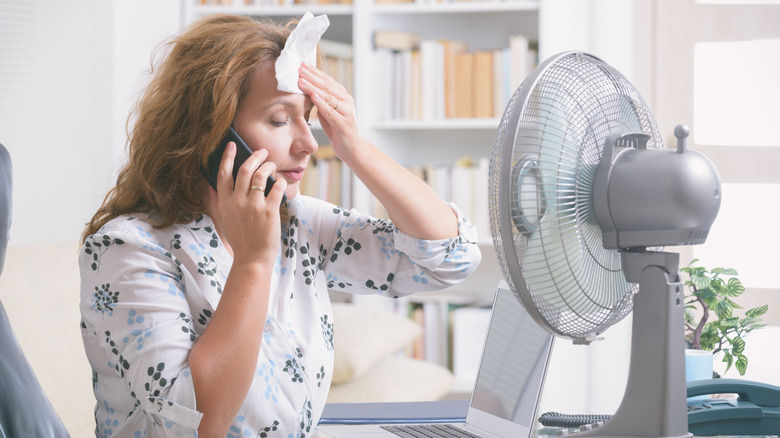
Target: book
437,175
451,48
434,311
397,85
383,72
462,191
443,79
518,47
335,49
396,40
464,70
482,84
415,87
431,79
499,88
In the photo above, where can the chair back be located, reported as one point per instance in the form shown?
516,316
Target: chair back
25,411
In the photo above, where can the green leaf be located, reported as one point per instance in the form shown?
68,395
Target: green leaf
728,271
690,316
749,322
738,346
709,298
700,281
723,310
733,304
734,287
758,311
728,359
742,363
718,286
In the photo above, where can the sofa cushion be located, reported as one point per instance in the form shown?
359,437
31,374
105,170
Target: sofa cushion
363,336
396,379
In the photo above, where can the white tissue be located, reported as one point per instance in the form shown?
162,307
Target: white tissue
301,46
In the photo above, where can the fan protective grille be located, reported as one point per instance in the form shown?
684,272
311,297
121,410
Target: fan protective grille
544,160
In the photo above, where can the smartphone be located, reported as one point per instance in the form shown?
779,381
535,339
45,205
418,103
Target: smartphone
242,153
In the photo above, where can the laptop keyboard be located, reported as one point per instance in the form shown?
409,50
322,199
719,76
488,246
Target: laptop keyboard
429,431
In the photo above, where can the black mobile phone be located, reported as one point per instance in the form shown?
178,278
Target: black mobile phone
242,153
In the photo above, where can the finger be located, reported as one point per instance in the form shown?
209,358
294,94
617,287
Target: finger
322,80
322,105
260,178
225,174
277,191
247,170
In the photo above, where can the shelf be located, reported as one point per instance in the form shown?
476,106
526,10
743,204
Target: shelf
295,10
457,8
448,124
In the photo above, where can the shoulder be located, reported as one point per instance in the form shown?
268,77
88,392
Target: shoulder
316,211
133,231
131,240
302,205
138,227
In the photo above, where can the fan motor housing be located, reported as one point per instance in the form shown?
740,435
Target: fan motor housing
654,197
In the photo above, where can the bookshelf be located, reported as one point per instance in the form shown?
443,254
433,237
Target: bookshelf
421,142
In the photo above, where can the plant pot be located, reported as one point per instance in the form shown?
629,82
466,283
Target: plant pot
698,366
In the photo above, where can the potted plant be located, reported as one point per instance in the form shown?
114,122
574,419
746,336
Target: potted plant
712,291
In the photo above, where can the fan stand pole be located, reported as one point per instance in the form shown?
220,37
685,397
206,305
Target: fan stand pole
654,404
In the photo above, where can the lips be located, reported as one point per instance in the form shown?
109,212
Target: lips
294,174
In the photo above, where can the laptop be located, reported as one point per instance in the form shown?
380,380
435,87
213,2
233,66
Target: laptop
507,389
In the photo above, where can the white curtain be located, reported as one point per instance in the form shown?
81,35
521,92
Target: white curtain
55,112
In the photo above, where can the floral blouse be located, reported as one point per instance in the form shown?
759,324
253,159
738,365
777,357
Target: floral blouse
148,294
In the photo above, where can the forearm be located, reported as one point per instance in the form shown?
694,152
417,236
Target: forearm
224,359
413,206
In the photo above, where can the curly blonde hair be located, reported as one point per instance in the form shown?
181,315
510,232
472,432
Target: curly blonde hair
188,106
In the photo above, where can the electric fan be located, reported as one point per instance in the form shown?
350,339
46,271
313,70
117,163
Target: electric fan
582,197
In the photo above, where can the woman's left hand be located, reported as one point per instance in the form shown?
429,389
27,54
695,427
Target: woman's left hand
335,109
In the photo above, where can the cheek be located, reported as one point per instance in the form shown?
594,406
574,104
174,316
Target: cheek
278,150
277,145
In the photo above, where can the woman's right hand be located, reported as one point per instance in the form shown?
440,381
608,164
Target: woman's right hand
249,225
246,220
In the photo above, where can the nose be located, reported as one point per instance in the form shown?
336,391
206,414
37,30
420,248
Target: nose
304,141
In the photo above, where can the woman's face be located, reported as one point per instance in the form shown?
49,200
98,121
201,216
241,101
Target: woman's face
279,122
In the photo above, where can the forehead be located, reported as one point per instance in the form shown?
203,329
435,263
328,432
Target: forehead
263,93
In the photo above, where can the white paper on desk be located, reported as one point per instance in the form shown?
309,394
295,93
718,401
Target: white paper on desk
301,46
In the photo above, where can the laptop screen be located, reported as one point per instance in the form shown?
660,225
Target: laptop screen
514,362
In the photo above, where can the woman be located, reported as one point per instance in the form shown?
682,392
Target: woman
203,311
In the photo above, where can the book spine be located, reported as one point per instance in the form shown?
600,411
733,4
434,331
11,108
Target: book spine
435,79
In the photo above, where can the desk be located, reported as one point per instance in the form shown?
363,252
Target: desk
361,413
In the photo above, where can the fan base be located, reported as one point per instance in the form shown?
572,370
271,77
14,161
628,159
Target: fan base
654,404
